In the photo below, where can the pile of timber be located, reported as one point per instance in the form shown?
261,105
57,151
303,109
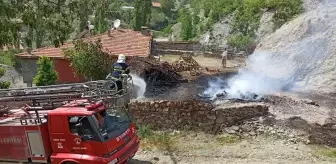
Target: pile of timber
186,63
154,72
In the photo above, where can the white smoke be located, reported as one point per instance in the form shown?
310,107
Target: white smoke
139,86
215,87
298,56
265,73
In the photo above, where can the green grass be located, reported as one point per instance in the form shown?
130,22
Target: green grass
155,139
228,139
325,152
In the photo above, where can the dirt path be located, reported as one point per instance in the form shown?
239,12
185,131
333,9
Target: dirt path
202,149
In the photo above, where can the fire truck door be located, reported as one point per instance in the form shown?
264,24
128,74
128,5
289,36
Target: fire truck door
81,135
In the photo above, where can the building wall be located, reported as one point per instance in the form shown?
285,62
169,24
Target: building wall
62,67
66,73
29,68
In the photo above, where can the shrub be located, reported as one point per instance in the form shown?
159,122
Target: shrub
240,42
3,84
46,75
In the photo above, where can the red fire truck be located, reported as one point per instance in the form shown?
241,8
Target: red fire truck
82,123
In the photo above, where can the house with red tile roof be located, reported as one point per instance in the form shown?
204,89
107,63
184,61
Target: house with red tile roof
156,4
115,42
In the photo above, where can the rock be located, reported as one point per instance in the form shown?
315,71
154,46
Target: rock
252,133
281,131
236,128
156,158
293,140
291,135
211,117
230,131
307,142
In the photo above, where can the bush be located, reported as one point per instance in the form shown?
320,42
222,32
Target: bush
285,10
144,131
8,57
3,84
46,75
240,42
158,20
247,16
87,58
168,29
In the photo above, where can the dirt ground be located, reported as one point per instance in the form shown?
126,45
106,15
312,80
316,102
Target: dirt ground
199,148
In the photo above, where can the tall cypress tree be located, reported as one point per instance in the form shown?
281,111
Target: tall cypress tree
142,13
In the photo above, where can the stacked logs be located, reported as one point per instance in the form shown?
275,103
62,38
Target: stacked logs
147,67
159,77
186,63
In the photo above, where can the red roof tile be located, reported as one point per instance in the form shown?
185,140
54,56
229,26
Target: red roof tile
121,41
156,4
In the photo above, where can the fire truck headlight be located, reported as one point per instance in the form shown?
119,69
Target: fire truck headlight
113,161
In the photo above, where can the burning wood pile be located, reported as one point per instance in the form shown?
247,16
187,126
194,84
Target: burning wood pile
186,63
242,97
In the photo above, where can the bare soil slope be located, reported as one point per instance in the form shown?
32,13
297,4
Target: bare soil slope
308,44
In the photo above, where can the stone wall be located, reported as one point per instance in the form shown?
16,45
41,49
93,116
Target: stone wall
193,114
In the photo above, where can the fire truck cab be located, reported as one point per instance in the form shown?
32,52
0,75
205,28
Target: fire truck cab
62,125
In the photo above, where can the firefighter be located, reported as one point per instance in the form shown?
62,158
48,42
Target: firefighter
118,68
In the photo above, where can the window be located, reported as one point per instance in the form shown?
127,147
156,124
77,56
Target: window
81,126
111,122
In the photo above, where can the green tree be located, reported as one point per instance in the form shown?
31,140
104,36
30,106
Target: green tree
89,60
142,13
46,74
3,84
167,6
186,28
158,20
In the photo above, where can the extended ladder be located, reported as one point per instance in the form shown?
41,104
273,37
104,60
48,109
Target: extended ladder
53,94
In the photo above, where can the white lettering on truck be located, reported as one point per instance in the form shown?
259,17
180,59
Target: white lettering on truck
14,140
123,135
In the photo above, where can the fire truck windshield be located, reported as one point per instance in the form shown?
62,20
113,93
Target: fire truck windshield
112,122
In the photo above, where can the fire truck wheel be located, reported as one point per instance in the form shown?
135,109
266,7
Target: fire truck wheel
69,163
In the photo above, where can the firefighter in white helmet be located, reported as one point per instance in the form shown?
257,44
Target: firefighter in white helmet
118,68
